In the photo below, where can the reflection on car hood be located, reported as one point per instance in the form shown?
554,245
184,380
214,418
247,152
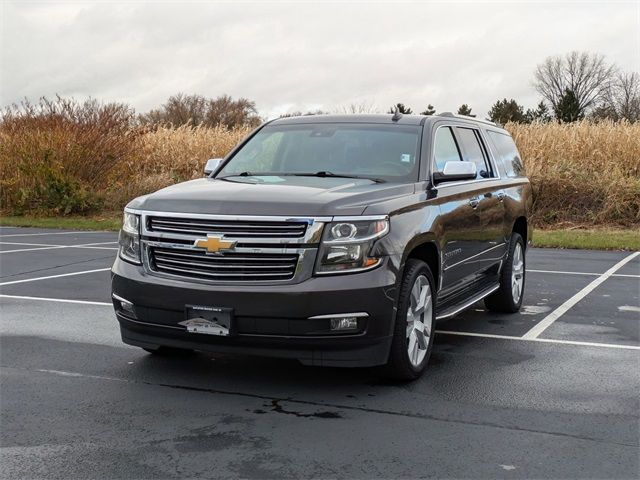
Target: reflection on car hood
289,195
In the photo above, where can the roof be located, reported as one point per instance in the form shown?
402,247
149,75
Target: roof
378,118
350,118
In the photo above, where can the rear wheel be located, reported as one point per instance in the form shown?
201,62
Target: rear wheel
415,323
169,351
508,298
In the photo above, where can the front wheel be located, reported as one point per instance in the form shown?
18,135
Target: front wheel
415,323
508,298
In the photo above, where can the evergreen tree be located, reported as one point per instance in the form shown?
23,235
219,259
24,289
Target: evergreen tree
540,114
504,111
399,107
465,110
568,108
429,111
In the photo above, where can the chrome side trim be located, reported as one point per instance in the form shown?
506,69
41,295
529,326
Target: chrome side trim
467,304
474,256
336,315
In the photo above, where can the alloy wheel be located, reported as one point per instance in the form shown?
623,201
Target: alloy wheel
419,318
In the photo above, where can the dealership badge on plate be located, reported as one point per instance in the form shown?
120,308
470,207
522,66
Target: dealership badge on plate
201,325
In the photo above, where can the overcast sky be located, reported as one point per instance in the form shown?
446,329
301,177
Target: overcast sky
289,56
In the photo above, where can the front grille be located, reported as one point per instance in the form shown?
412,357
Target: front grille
229,228
235,266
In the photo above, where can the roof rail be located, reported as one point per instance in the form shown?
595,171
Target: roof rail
466,117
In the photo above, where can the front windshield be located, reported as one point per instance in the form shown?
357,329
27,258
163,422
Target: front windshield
384,152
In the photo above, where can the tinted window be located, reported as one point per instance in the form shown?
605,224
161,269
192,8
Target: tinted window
445,148
509,154
389,152
472,150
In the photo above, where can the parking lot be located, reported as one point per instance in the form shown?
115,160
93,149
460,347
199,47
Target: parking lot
550,392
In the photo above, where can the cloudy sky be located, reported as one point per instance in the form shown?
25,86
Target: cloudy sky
289,56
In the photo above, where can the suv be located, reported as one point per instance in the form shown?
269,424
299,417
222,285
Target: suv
334,240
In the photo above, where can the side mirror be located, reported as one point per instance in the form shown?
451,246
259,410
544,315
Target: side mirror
456,171
212,165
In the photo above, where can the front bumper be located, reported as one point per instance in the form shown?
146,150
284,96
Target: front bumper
269,320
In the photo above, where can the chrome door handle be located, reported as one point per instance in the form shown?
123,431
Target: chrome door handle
500,196
474,201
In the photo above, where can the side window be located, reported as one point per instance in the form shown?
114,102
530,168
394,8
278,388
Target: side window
445,148
509,154
473,150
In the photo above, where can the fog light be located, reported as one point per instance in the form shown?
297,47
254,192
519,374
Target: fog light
124,305
344,323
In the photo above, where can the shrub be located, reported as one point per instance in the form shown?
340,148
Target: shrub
56,156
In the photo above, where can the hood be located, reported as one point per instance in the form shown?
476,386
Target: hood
295,196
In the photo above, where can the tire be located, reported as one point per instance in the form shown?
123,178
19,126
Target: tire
414,327
508,298
169,351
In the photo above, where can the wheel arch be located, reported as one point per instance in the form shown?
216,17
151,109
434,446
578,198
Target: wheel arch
521,226
425,248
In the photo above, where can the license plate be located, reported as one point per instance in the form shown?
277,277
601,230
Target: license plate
208,320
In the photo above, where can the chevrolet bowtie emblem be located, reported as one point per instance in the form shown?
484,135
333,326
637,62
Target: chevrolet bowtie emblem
215,244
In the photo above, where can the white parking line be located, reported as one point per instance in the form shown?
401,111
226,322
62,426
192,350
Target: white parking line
59,300
52,233
13,282
540,340
547,321
582,273
48,246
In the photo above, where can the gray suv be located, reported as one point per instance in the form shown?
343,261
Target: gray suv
334,240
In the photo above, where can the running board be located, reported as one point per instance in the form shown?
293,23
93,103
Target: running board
455,309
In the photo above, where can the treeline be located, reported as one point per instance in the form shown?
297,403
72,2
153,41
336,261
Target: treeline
573,87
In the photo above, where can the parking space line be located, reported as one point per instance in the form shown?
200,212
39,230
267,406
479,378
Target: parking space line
13,282
58,300
48,246
547,321
540,340
581,273
563,273
53,233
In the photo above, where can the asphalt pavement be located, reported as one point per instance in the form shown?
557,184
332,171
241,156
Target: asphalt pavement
550,392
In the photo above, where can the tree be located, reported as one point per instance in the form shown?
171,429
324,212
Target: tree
429,111
568,108
184,109
465,110
356,108
504,111
399,107
298,113
622,100
540,114
586,75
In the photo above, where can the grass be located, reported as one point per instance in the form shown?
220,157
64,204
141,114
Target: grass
596,239
109,222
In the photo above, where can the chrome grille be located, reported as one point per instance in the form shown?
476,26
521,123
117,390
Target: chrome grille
237,266
229,228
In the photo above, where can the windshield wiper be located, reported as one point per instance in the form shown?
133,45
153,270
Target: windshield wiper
325,173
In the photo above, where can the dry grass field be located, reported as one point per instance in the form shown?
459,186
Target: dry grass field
583,174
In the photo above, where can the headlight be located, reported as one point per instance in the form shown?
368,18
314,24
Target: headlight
346,245
129,239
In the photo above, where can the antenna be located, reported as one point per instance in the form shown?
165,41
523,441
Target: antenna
396,115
